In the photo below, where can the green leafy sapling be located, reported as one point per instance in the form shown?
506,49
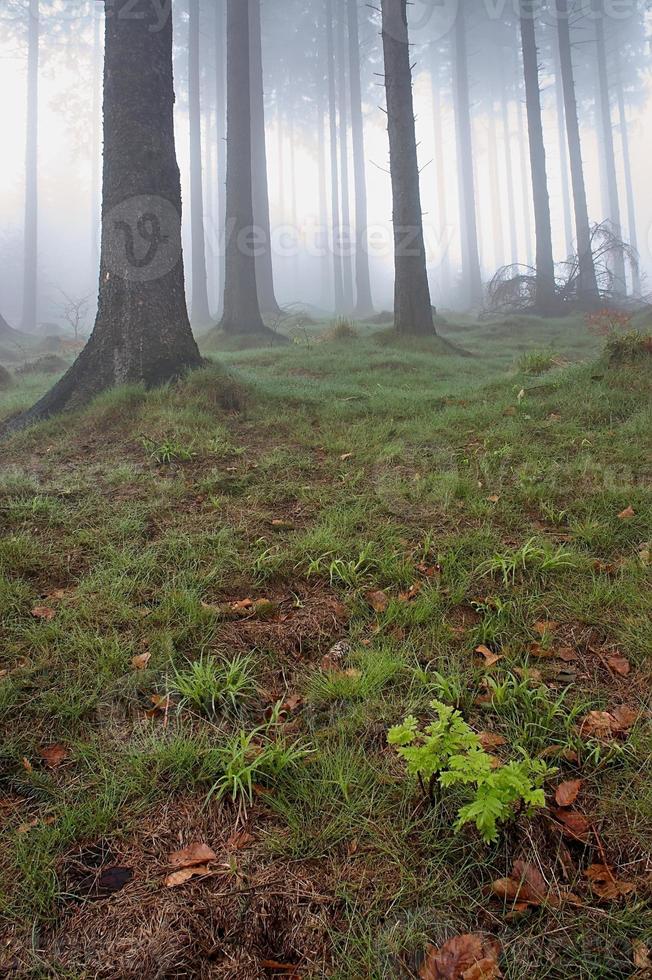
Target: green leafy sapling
447,751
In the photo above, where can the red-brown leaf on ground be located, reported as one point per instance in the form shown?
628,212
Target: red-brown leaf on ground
642,958
141,660
567,792
54,755
491,740
240,840
567,654
619,664
543,653
473,956
378,600
574,824
411,593
605,885
185,874
627,514
490,658
43,612
606,724
197,853
545,626
430,571
625,717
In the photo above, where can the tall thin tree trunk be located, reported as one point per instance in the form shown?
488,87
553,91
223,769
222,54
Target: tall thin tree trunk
412,307
604,108
142,332
220,148
545,300
496,202
509,174
30,244
343,99
241,311
440,167
525,183
468,215
264,270
363,302
338,276
322,219
629,188
200,312
563,153
588,294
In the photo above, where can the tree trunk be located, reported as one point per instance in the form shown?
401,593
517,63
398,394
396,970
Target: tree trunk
629,187
347,237
363,304
604,107
322,220
468,216
563,149
525,183
30,245
220,121
264,271
200,312
509,174
142,332
545,299
412,307
496,203
241,310
338,281
588,294
440,167
96,148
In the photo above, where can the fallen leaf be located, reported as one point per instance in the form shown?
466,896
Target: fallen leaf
411,593
624,717
473,956
43,612
197,853
490,740
490,658
162,704
620,665
545,626
543,653
185,874
641,955
430,571
378,600
345,456
239,840
574,824
109,881
280,525
53,755
598,724
567,654
627,514
242,605
567,792
605,567
141,660
605,885
494,498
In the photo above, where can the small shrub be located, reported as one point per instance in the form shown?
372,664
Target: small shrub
536,362
249,757
448,752
342,329
628,348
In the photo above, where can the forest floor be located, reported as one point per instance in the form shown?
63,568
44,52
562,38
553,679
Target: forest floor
246,579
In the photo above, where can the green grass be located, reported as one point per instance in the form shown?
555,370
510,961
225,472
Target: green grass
481,494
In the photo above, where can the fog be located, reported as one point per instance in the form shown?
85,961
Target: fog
68,150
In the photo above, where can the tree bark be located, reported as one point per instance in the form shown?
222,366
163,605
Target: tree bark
363,303
629,188
471,272
142,332
347,237
200,311
412,306
338,280
563,148
440,167
30,245
545,299
241,310
96,148
525,182
496,203
220,121
322,220
264,269
588,294
604,112
509,174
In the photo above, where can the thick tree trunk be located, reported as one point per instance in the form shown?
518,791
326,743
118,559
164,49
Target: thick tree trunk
509,174
96,147
496,202
588,294
440,167
264,270
338,280
347,236
30,244
220,122
363,302
142,333
471,273
562,130
200,312
412,307
604,112
629,188
241,310
545,300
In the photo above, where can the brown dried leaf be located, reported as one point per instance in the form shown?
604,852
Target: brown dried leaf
141,660
574,824
641,955
378,600
567,792
567,654
473,956
185,874
53,755
627,514
345,456
490,658
624,717
545,626
240,840
43,612
491,740
598,724
196,853
620,665
605,885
